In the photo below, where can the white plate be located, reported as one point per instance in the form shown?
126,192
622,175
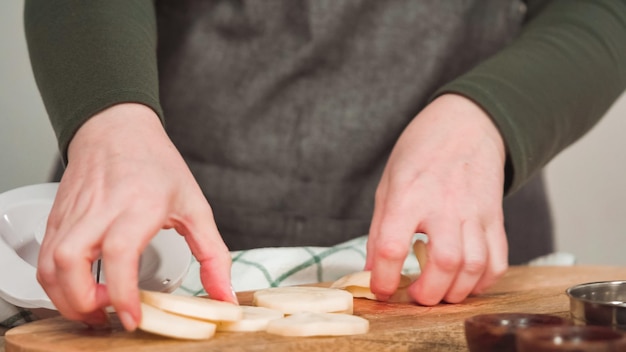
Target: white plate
23,216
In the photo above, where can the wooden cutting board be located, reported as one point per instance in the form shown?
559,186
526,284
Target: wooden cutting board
393,327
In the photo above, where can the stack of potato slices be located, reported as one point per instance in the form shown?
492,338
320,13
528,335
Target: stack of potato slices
286,311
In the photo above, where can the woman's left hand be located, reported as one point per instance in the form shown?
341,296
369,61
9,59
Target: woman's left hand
445,178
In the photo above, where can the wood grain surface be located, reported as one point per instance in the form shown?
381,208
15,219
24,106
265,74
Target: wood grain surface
393,327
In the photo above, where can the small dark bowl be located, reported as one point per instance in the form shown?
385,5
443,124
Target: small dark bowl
599,303
570,338
496,332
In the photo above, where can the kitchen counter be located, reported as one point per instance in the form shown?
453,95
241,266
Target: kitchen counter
392,326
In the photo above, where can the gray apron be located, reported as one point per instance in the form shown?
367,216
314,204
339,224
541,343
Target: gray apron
286,111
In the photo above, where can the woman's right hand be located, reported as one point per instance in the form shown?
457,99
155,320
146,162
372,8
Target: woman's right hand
124,182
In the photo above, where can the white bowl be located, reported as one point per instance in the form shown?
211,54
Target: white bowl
23,216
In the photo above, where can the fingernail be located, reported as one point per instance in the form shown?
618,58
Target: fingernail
127,320
232,292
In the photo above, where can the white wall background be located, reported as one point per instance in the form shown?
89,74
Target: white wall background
586,181
587,185
27,143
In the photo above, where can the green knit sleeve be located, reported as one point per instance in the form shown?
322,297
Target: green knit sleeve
89,55
552,83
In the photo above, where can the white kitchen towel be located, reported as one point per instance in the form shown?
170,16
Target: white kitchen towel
286,266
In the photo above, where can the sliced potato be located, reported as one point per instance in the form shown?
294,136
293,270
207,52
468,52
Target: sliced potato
362,279
360,292
290,300
254,319
318,324
193,307
160,322
358,284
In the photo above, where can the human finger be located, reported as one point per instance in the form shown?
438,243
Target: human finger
207,246
374,231
475,258
122,246
498,261
390,242
444,259
64,271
